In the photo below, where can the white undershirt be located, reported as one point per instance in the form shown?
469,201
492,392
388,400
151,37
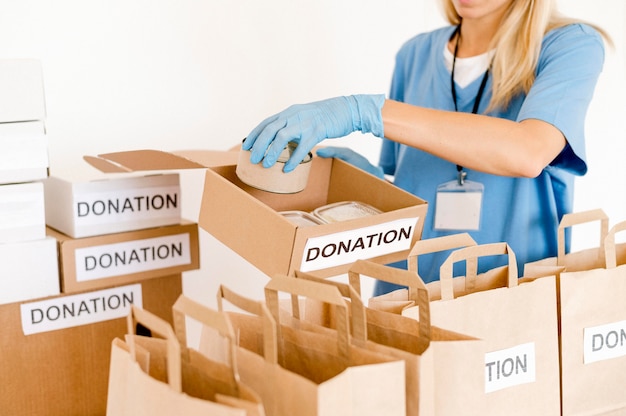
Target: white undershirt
466,70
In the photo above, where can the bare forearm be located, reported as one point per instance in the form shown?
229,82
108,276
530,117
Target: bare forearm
481,143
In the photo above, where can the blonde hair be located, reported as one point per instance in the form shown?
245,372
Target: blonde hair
517,45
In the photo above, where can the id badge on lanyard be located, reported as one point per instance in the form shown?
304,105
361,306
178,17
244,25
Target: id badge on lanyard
458,205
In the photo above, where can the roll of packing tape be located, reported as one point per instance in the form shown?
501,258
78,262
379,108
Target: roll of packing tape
273,179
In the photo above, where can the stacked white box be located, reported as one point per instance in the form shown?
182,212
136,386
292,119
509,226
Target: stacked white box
29,258
29,270
24,155
22,212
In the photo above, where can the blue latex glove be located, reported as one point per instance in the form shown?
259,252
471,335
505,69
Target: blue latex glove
309,124
352,157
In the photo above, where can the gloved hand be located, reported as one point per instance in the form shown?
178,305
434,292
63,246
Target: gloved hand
352,157
309,124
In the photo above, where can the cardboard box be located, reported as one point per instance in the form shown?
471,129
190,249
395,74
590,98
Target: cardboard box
29,270
84,207
248,221
22,212
64,372
116,259
22,95
24,155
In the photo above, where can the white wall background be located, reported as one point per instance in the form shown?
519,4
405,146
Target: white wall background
183,74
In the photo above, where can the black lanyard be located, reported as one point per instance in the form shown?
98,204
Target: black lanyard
479,95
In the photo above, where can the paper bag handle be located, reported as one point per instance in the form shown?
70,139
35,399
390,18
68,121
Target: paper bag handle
321,292
473,253
610,254
435,245
576,218
258,308
185,306
164,329
416,286
358,317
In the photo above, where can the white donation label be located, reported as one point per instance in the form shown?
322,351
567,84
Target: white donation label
604,342
135,256
510,367
362,243
82,309
126,205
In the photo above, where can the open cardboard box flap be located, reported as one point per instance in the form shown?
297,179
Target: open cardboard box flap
149,159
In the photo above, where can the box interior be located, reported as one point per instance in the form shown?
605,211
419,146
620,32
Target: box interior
330,181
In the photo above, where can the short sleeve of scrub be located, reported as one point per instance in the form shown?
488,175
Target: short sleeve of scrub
570,61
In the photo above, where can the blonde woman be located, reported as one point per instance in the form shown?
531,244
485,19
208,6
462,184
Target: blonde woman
484,120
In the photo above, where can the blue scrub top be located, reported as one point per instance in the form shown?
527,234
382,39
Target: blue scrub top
524,212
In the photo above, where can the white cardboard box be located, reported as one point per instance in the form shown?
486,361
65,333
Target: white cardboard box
82,207
22,212
23,152
30,270
22,95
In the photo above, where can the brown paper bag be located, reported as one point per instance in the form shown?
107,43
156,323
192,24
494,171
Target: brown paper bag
284,393
400,299
575,261
223,380
444,370
307,373
148,377
592,286
518,323
355,380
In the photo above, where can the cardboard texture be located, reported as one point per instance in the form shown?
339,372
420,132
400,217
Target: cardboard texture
24,156
22,213
116,259
592,312
436,359
65,372
22,95
30,270
248,221
517,321
106,204
177,380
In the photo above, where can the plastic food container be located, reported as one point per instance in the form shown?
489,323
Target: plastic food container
301,218
273,179
344,211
